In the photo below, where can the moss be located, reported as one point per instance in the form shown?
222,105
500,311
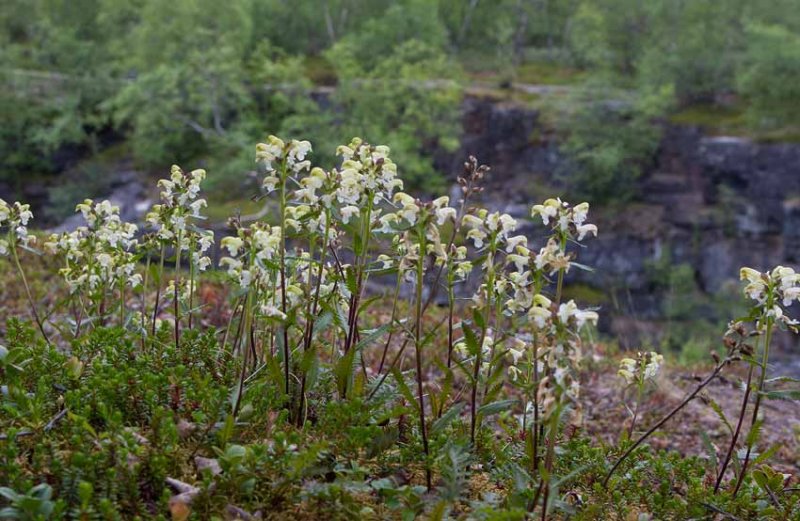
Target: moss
733,121
549,73
714,118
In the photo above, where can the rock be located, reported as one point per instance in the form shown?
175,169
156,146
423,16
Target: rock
716,203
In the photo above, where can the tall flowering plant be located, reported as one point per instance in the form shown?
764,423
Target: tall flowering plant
174,224
14,219
772,293
98,259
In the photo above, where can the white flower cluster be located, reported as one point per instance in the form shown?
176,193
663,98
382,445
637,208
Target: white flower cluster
179,205
292,156
486,228
318,187
252,252
366,173
773,290
15,218
644,368
99,255
569,314
564,218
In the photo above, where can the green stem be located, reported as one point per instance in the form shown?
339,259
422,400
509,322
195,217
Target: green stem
479,357
143,322
284,327
418,347
178,253
28,294
158,288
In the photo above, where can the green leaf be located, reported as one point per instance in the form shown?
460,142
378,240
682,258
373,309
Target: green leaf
496,407
710,450
786,394
343,371
754,434
404,389
767,454
720,414
446,418
782,379
370,335
471,340
477,318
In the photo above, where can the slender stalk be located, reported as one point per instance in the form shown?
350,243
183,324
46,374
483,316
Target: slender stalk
665,419
178,253
761,379
284,328
28,294
736,433
355,298
450,311
309,335
548,460
418,348
635,410
122,304
473,425
247,318
535,426
158,288
191,281
391,321
240,302
143,322
553,431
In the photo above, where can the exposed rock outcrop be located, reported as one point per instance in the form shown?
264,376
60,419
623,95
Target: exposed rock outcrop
712,203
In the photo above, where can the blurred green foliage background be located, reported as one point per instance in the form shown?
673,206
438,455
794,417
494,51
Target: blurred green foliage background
199,81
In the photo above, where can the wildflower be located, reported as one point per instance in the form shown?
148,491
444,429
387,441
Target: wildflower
15,218
644,368
565,219
348,212
100,254
570,310
232,244
547,211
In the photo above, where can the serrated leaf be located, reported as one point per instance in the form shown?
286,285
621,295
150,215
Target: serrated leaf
754,434
720,414
767,454
710,450
471,340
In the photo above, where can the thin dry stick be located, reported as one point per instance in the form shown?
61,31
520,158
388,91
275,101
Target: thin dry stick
761,379
736,433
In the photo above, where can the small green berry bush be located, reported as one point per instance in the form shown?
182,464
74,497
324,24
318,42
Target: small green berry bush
316,398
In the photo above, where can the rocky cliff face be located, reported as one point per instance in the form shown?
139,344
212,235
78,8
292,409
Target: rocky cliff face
708,205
